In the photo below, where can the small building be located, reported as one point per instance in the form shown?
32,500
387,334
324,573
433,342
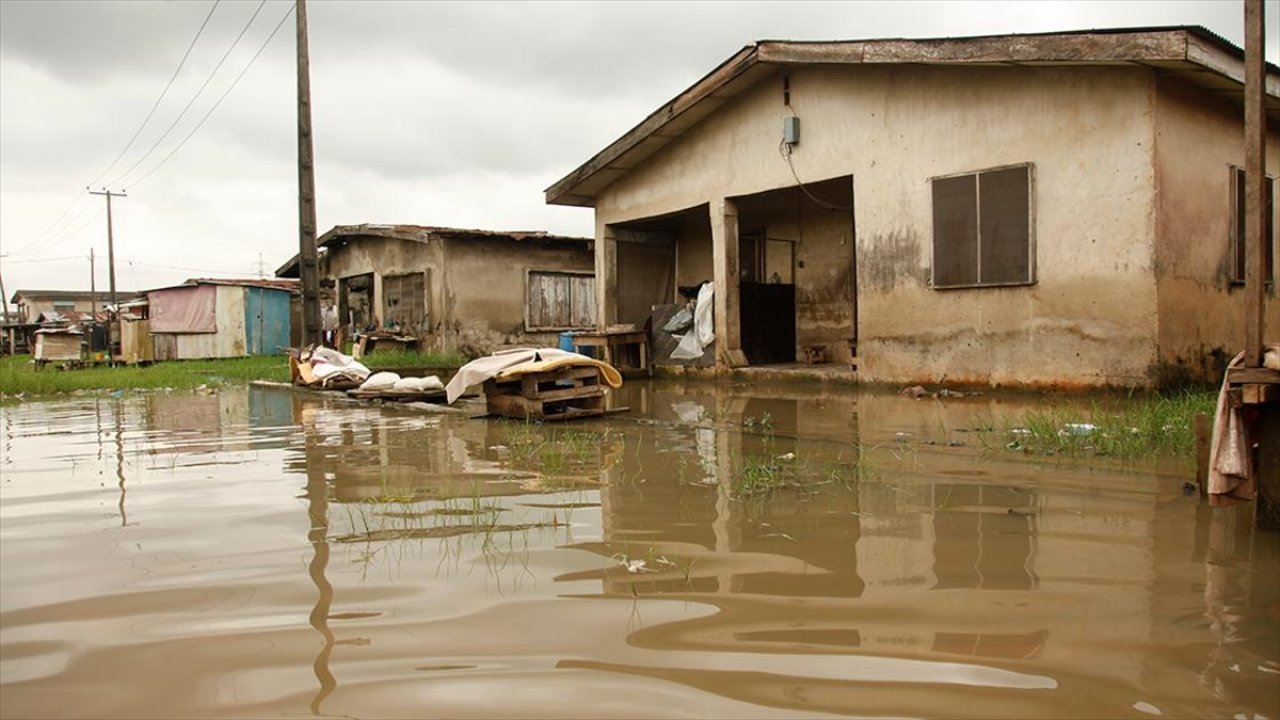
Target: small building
33,304
456,289
1051,209
218,318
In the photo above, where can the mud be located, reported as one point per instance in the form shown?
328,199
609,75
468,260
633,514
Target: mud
722,551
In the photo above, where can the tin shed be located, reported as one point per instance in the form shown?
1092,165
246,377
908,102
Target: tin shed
213,318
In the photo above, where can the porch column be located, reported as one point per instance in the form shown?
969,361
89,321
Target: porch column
606,276
724,253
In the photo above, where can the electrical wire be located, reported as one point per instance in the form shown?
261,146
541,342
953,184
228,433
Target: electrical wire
79,195
224,95
120,178
785,150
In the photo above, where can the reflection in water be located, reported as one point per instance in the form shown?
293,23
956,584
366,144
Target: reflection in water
489,567
318,535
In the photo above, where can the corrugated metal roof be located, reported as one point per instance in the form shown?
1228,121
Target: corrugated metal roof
340,234
268,283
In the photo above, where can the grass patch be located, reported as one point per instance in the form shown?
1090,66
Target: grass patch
408,358
18,375
1127,428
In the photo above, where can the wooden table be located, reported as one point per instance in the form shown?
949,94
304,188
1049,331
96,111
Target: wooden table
610,341
367,344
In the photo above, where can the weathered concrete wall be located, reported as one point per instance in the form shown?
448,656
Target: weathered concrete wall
693,252
387,256
1201,325
475,289
1091,317
486,286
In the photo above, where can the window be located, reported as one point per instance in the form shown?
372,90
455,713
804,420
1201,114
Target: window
560,300
982,229
64,306
404,301
1237,228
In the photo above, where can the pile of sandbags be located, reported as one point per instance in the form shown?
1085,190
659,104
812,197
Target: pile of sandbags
389,382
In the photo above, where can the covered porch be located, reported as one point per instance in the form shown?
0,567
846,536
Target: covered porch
782,261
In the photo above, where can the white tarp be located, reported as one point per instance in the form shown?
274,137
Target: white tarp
703,332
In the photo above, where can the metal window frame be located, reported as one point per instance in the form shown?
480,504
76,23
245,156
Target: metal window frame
1032,253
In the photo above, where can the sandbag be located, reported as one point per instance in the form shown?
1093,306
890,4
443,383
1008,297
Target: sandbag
380,381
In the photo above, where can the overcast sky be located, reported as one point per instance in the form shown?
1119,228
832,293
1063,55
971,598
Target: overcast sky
455,114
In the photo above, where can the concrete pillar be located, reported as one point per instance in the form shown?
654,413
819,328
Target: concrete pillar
724,254
606,276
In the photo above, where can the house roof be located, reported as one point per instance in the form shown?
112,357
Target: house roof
103,295
267,283
1192,53
340,235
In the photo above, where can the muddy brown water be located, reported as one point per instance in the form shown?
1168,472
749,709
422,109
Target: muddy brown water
259,553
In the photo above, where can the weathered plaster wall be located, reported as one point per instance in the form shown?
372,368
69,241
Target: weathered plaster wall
486,289
693,251
1201,325
388,256
1091,317
475,288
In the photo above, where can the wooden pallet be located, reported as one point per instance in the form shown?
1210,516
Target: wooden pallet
562,394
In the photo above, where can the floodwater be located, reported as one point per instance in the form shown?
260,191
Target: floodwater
261,553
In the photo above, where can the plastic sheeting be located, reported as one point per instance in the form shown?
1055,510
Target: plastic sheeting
184,310
704,328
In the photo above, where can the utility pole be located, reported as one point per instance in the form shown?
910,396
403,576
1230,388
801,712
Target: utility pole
1255,179
307,265
111,259
93,287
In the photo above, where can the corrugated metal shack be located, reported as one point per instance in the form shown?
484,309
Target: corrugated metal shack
219,318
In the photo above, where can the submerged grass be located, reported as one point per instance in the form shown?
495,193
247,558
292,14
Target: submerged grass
1129,428
19,376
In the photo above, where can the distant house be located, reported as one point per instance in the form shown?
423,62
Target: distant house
35,306
213,318
1045,209
457,289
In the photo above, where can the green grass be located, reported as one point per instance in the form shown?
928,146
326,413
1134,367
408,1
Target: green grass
407,358
1128,428
19,376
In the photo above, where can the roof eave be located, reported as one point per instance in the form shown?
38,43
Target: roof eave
1184,47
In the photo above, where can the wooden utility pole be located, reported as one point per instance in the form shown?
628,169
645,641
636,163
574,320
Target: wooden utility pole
307,265
111,261
93,288
1255,179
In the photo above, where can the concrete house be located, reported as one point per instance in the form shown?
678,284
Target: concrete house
457,289
214,318
1054,209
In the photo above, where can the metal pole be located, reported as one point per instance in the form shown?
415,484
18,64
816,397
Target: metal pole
307,265
93,288
1255,179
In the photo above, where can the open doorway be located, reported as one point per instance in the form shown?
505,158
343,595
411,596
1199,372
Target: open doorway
797,274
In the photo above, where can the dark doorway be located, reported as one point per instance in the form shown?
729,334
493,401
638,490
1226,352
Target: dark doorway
768,322
355,302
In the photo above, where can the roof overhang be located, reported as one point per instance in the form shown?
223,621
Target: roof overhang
1191,53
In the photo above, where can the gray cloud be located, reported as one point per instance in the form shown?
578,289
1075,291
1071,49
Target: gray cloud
440,113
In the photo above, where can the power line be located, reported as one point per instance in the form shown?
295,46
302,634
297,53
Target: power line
80,196
219,102
156,104
193,99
